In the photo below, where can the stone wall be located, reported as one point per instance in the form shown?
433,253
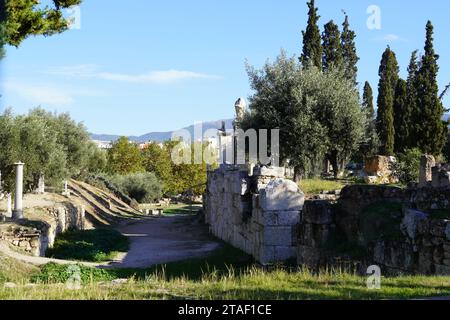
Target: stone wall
35,237
258,214
420,243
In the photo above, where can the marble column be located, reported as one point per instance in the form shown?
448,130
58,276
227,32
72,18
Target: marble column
9,204
18,204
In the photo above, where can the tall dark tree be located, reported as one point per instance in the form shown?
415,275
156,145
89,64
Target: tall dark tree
388,73
402,117
371,141
411,91
432,132
368,99
349,53
312,46
332,52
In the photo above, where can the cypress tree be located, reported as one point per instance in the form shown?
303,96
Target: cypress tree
411,92
368,100
402,117
349,54
332,52
371,141
312,47
432,132
388,73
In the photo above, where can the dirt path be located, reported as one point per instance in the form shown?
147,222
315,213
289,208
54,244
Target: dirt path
153,241
164,239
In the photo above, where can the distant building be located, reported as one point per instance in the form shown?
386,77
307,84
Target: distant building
105,145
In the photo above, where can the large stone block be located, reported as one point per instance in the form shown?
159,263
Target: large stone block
280,218
277,236
309,257
282,253
411,221
282,195
427,162
442,270
318,212
276,172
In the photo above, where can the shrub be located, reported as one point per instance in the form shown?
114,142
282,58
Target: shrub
143,187
408,166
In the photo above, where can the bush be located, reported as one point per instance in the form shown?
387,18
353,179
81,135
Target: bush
143,187
408,166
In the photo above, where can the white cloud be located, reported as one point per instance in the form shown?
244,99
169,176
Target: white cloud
155,77
48,95
391,38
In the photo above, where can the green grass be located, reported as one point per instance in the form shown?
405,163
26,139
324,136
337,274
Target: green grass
253,284
226,274
92,245
15,271
182,209
316,186
218,262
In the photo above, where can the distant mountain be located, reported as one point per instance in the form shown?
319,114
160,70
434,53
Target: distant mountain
164,136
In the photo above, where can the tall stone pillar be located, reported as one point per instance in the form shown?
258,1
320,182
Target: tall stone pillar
427,163
8,204
18,204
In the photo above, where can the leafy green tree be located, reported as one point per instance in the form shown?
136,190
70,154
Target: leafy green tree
447,149
388,73
157,160
317,113
24,18
29,139
349,53
402,117
50,144
144,187
432,131
124,157
332,52
312,47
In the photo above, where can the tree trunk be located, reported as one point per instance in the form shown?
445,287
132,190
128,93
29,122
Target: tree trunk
334,163
299,172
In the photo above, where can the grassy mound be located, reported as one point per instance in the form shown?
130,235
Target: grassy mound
92,245
15,271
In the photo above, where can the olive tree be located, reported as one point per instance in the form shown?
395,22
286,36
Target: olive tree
318,113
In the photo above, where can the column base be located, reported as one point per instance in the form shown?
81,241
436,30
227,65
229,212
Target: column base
17,214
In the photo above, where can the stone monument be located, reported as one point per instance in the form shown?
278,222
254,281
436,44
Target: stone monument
18,199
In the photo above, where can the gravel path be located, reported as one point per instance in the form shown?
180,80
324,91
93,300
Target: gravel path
164,239
152,241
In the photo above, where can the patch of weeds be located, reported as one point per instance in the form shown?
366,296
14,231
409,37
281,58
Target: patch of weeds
219,263
91,245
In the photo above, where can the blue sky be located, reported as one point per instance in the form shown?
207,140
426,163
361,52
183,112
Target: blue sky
140,66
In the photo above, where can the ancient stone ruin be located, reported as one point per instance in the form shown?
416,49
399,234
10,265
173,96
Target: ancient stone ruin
268,217
258,214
